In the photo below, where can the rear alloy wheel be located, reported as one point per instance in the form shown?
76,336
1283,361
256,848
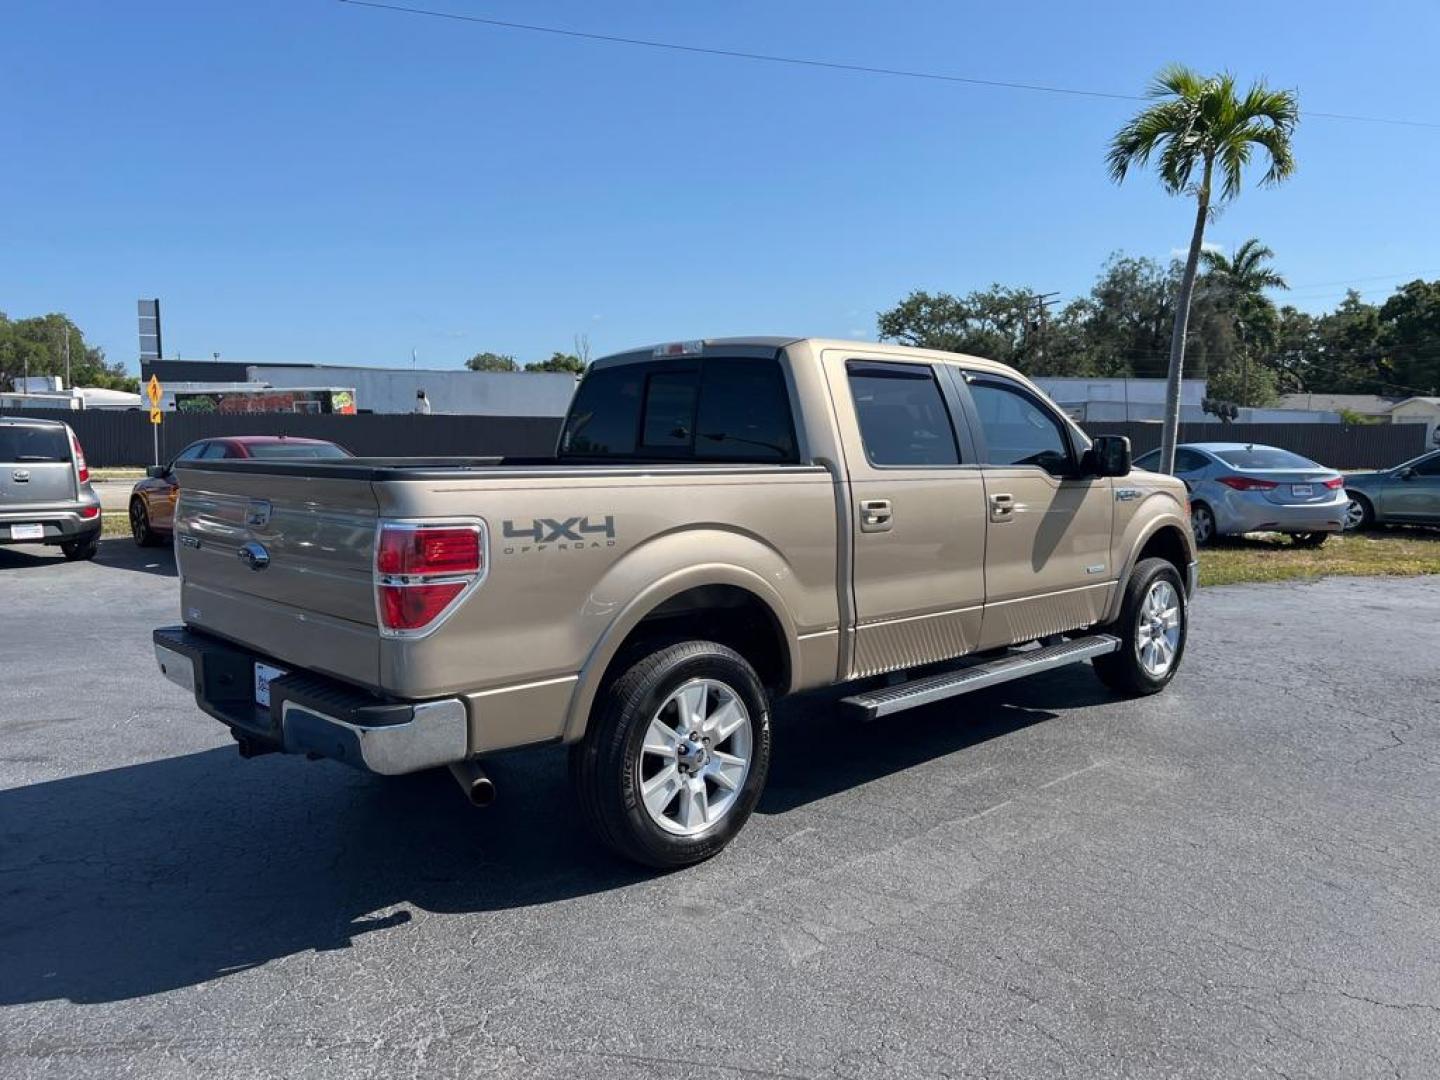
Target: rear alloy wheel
1202,524
1154,622
1309,540
676,755
1359,515
140,528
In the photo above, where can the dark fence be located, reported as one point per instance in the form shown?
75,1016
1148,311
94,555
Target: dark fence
125,438
1340,446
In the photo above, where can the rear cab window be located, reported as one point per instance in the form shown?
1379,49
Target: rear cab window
296,451
33,444
719,409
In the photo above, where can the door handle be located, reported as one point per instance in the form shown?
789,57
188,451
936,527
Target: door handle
1002,508
875,515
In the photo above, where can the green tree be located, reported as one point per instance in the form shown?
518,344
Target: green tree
489,361
559,362
999,323
1196,127
1410,335
37,345
1347,358
1235,288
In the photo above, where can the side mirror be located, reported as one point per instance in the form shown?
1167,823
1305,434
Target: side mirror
157,472
1109,455
1408,473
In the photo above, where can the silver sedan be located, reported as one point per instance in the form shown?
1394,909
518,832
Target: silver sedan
1245,487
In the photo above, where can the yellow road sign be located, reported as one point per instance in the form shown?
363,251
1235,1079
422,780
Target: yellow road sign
156,416
153,392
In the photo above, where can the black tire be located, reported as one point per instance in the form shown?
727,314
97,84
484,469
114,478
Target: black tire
1202,524
1309,540
1122,670
81,548
605,767
1367,513
140,529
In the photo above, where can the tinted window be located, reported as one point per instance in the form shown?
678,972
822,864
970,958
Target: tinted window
669,410
720,409
1264,457
1018,430
1149,461
214,450
21,442
288,451
744,412
605,414
902,415
1429,466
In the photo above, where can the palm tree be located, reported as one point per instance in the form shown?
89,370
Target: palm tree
1240,283
1198,126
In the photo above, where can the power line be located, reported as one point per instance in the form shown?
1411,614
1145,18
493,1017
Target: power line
832,65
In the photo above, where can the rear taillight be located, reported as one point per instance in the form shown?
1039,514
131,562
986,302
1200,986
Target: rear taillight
1245,483
89,513
1338,482
82,471
422,569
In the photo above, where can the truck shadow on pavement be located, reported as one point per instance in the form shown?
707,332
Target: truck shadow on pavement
166,874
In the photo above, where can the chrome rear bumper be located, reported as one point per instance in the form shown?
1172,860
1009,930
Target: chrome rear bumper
309,714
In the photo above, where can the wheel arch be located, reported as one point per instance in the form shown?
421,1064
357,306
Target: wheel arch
1165,538
724,603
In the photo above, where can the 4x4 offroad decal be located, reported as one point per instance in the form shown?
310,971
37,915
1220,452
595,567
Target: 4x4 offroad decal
563,534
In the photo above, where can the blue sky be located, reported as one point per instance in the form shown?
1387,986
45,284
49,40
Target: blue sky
309,180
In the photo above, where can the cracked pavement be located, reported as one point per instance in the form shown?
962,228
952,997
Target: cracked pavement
1235,878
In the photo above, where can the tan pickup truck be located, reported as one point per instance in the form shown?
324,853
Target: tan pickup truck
724,522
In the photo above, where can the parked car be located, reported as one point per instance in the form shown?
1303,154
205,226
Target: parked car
1245,487
152,500
45,492
725,522
1409,492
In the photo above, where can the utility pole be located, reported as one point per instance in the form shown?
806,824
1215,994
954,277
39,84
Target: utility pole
1043,302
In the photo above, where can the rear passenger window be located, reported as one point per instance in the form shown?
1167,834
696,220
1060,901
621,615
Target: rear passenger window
1189,461
902,414
605,415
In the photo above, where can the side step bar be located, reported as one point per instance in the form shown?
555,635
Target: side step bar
910,695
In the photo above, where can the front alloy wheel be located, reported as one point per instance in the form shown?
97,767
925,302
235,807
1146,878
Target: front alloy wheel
1357,514
1157,629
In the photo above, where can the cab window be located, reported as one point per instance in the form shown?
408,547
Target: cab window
902,414
1018,429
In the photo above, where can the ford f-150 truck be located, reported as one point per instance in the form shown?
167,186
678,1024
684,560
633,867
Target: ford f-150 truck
724,522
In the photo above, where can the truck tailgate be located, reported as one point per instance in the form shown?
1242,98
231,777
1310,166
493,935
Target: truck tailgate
283,565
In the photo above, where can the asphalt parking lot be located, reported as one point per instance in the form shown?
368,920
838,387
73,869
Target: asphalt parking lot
1236,878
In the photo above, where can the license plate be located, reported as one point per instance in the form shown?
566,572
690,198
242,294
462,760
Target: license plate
264,676
27,532
1301,490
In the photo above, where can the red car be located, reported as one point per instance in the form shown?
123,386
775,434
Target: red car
152,502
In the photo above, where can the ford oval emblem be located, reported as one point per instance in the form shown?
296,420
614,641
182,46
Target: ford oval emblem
254,554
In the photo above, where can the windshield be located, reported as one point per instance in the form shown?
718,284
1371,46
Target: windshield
290,451
1264,457
38,444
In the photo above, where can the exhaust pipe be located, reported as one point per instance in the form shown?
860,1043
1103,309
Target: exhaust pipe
478,787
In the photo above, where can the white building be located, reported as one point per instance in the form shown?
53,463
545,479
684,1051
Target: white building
1123,399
